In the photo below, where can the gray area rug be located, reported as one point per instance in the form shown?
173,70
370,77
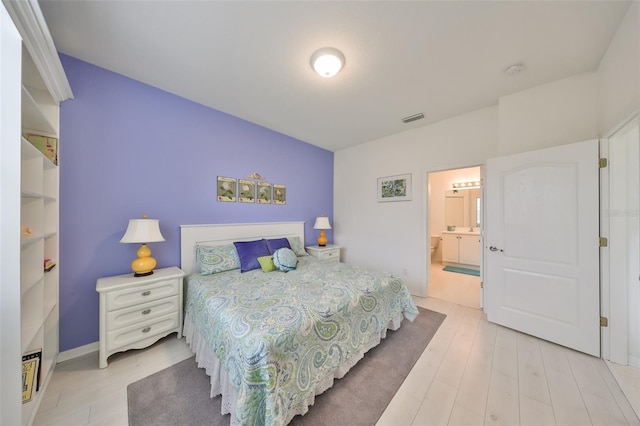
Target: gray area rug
179,395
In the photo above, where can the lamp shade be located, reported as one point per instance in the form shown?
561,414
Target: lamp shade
142,231
322,222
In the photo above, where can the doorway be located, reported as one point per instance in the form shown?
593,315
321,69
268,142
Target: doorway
454,216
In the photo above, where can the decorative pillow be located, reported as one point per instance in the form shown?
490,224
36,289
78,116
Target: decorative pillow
214,259
249,252
266,262
297,246
285,259
276,243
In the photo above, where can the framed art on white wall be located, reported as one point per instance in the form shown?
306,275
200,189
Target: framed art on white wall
394,188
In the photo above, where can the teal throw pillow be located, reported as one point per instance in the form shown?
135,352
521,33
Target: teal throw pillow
285,259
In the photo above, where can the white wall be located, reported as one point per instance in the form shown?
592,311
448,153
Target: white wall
552,114
619,74
393,236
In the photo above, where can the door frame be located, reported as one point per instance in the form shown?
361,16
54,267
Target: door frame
426,218
614,338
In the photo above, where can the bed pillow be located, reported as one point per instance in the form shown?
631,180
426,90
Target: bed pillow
249,252
297,246
214,259
275,243
285,259
266,263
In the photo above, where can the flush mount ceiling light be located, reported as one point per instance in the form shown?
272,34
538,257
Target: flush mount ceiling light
327,61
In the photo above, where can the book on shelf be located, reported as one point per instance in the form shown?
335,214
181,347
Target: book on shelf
47,145
48,265
31,374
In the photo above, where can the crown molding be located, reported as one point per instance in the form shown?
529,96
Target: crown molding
28,18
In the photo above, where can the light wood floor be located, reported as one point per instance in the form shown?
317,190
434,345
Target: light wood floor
472,373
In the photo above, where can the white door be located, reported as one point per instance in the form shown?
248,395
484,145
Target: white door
541,242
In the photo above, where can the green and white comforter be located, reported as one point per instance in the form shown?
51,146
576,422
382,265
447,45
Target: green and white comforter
279,335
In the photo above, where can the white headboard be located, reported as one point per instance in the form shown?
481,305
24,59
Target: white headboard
191,235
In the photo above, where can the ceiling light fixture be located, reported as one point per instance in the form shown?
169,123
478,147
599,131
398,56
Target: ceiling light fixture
327,61
413,117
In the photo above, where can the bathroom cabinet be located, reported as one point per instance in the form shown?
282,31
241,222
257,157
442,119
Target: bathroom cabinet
461,247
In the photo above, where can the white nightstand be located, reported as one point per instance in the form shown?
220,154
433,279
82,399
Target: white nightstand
328,253
137,311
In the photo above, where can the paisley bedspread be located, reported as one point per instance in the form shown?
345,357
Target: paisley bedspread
278,334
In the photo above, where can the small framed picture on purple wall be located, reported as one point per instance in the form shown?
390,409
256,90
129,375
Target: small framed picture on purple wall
247,191
226,189
264,193
279,194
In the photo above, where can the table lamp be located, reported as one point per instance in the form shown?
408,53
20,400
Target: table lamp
322,223
143,231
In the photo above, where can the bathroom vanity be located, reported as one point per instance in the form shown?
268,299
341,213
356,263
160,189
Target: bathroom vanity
461,247
460,243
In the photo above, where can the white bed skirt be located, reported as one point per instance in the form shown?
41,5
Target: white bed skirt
220,385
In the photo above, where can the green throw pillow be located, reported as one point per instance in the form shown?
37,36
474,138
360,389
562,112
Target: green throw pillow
266,262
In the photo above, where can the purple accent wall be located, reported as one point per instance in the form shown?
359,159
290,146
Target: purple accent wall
127,148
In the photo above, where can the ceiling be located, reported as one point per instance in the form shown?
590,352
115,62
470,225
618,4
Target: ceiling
250,59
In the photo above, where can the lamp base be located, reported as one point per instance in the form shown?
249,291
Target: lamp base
144,264
322,238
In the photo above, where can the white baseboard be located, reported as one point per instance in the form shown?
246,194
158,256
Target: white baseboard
78,352
634,361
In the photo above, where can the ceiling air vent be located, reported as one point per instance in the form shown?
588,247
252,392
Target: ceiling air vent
413,117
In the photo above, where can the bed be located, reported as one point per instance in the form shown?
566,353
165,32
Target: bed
271,341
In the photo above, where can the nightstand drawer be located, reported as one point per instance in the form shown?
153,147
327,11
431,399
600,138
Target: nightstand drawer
143,330
330,255
140,294
145,311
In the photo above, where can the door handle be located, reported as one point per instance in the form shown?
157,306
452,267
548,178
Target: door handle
494,248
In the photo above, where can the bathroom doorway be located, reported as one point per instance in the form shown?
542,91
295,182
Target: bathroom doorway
454,225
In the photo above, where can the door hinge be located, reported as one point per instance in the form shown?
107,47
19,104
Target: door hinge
604,242
602,162
604,322
481,284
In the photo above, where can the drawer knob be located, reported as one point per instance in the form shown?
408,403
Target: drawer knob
146,312
146,293
146,329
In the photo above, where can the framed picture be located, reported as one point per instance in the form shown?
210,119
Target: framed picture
394,188
247,191
226,189
279,194
264,193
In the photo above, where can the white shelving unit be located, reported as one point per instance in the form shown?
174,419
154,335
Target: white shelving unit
39,211
32,85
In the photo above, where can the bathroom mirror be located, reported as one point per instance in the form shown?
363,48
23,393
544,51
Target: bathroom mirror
462,207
